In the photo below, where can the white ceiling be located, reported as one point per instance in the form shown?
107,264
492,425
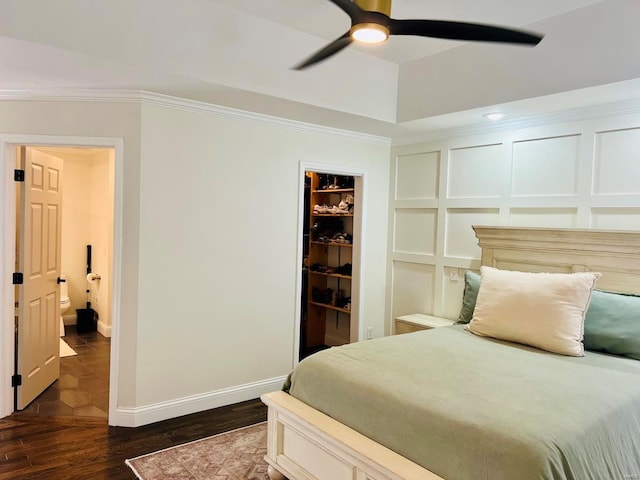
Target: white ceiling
239,53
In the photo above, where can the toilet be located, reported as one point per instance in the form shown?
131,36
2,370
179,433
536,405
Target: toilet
65,303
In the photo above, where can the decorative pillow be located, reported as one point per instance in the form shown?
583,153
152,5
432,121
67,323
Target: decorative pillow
544,310
612,324
471,287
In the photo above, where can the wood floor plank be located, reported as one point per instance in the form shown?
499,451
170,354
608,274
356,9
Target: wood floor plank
66,448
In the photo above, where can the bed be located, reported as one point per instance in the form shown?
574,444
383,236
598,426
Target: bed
476,407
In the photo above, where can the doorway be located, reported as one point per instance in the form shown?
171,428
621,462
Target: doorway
330,271
81,254
104,297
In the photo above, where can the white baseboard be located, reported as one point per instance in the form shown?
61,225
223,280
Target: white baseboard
104,329
136,417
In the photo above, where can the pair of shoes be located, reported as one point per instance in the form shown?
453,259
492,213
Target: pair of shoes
344,207
342,238
322,295
333,209
335,182
319,267
334,185
323,209
341,301
344,269
326,185
326,227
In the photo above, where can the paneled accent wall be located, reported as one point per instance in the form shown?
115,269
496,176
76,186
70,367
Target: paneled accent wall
573,175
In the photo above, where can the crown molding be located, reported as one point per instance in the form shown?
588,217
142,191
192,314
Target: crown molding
626,107
152,98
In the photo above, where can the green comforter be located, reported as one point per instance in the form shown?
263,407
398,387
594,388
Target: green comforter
474,408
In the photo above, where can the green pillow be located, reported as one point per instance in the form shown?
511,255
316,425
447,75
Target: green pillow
471,287
612,324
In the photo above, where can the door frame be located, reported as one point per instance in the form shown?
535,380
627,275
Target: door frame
358,281
8,249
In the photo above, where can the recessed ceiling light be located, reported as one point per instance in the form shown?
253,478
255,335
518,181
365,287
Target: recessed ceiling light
494,116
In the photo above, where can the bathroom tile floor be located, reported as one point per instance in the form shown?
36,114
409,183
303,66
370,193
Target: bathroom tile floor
83,387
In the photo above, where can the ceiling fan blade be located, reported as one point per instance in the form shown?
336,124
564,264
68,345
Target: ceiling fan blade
325,52
349,7
461,31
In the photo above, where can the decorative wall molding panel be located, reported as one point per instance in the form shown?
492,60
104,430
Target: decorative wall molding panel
580,175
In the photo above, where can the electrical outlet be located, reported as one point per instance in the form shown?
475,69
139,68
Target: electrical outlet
369,333
454,277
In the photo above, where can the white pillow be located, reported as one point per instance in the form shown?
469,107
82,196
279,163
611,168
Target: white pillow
544,310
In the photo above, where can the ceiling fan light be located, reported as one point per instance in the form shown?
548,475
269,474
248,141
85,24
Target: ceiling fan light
369,33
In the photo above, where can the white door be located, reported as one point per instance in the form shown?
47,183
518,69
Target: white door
38,359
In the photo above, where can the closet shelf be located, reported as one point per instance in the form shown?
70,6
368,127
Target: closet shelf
330,307
335,275
333,244
337,190
332,214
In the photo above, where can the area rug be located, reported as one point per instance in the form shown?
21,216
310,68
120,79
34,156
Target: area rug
234,455
66,350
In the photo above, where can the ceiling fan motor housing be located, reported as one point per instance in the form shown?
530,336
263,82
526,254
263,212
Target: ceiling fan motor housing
382,6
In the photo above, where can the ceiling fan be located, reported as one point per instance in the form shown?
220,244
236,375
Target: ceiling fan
371,23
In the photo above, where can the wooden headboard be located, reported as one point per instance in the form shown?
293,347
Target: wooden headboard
616,254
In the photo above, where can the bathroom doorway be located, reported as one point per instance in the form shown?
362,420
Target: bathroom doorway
79,251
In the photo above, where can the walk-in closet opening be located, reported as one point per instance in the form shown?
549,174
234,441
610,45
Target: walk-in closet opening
331,247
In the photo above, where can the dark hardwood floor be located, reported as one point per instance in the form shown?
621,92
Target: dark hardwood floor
66,448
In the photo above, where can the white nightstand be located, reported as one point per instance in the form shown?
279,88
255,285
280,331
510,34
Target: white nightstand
419,321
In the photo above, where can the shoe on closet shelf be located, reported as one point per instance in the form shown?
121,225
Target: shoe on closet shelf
338,238
344,269
334,185
343,207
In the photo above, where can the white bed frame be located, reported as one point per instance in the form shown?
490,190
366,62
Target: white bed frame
305,444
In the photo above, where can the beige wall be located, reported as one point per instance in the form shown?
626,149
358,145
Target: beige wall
101,233
87,219
76,214
219,240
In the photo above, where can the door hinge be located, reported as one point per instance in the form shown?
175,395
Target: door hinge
16,380
18,278
18,175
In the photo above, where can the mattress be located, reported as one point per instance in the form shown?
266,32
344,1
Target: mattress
468,407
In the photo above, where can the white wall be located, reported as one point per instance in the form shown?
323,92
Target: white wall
573,175
218,247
